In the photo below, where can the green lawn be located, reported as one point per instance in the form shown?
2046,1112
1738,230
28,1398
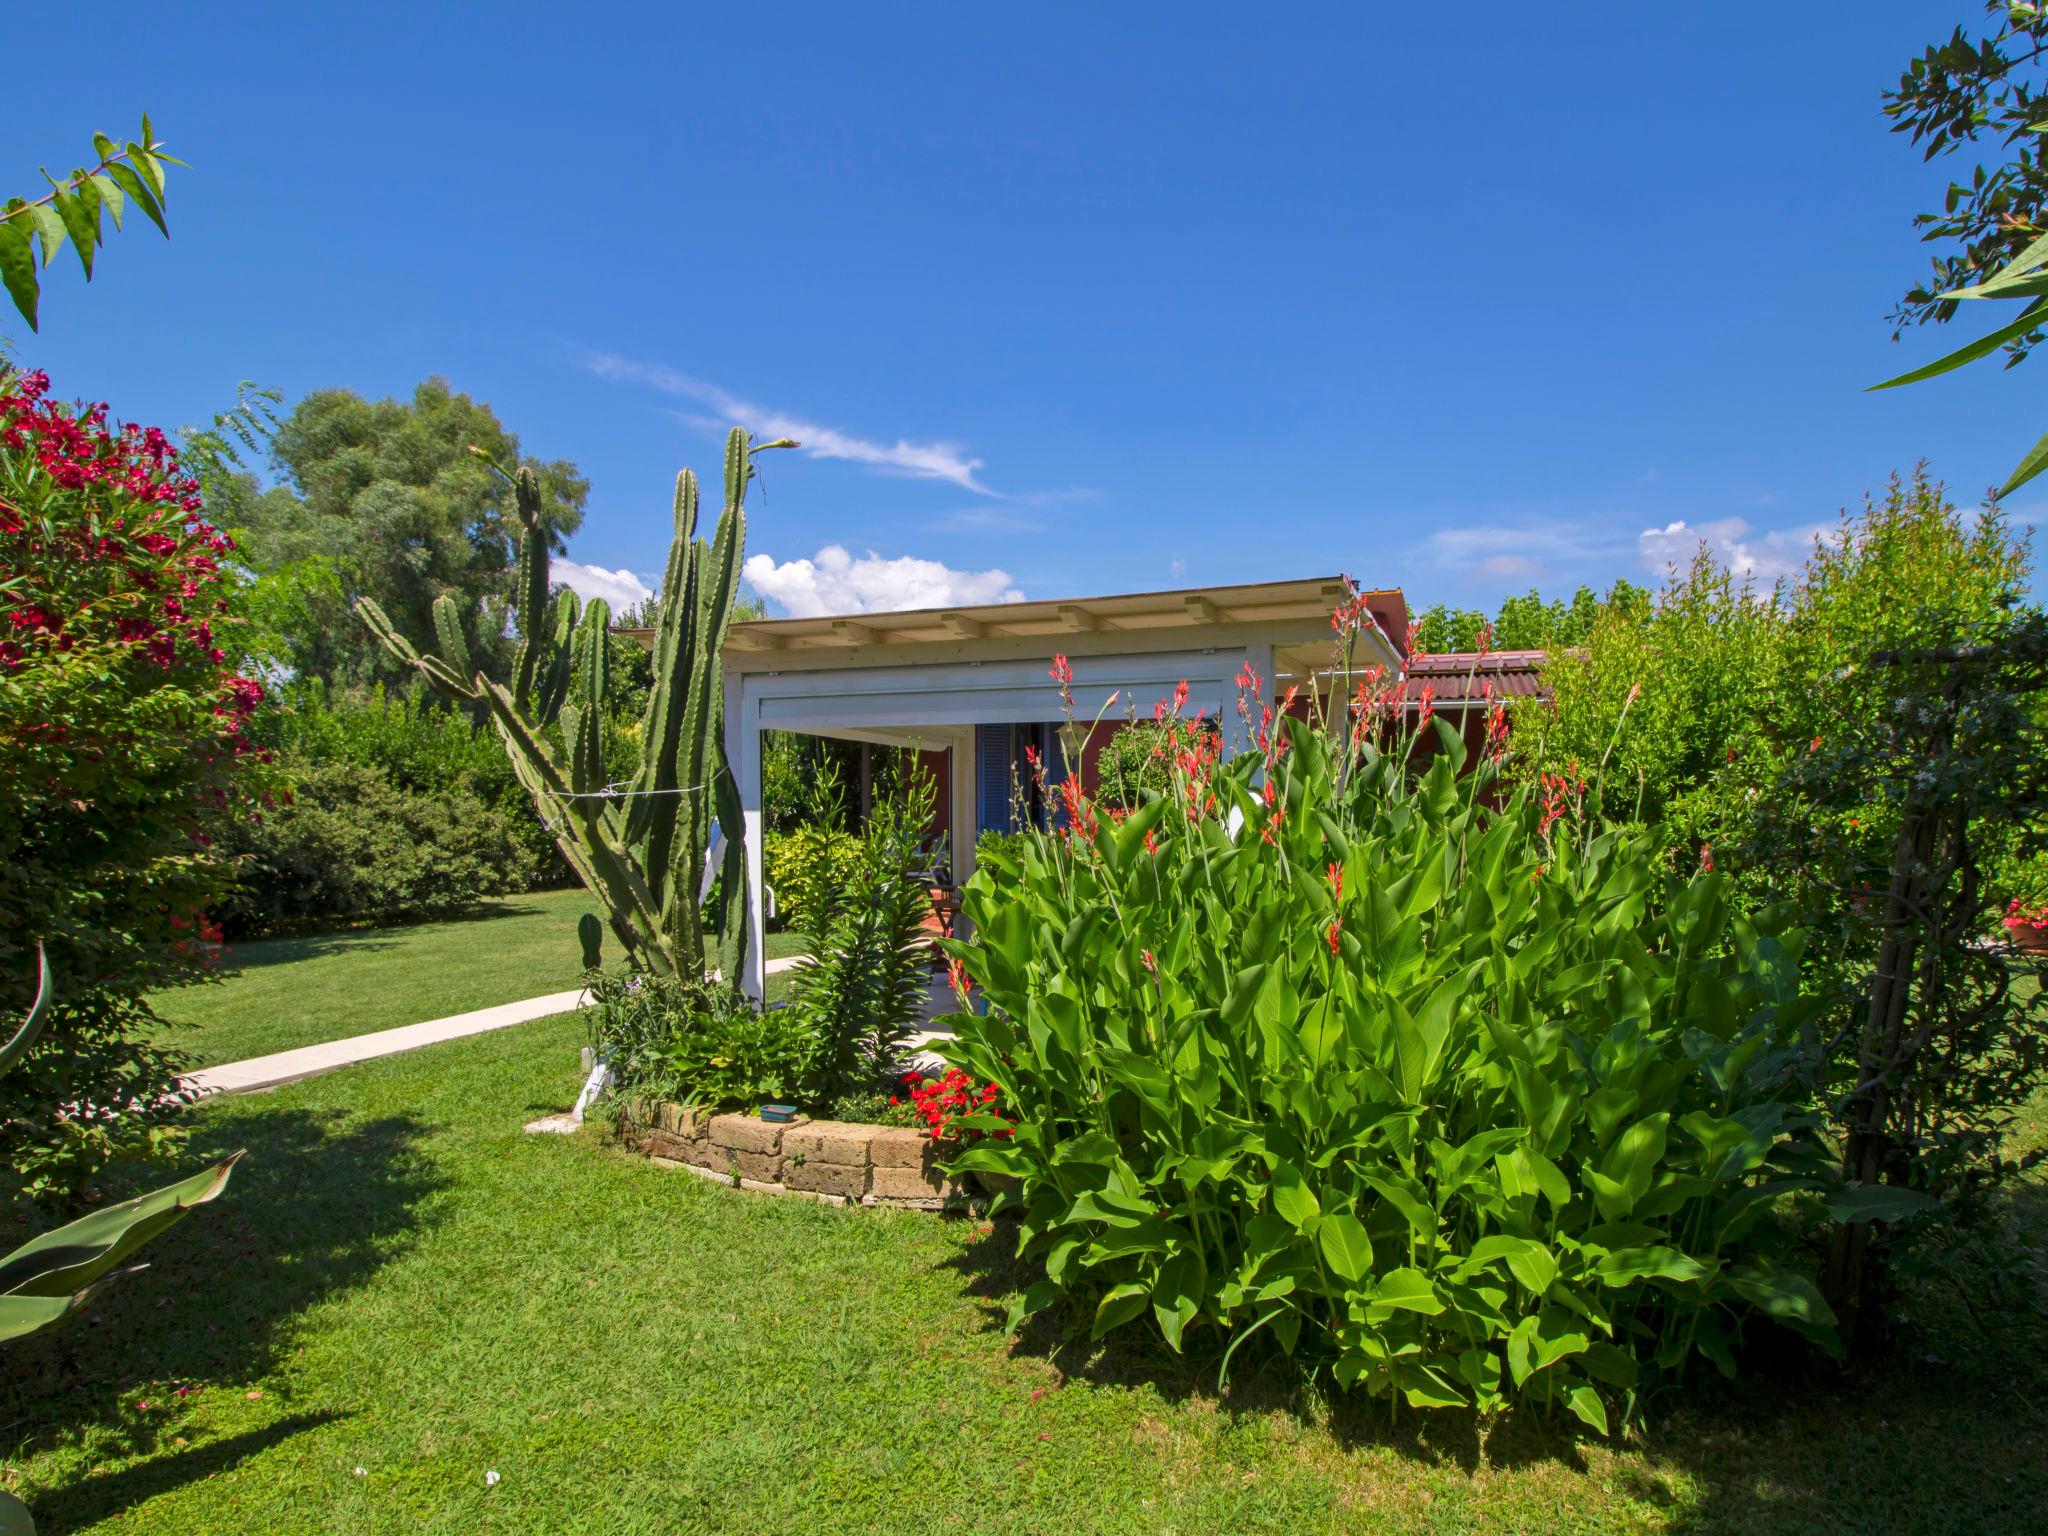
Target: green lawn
277,994
399,1281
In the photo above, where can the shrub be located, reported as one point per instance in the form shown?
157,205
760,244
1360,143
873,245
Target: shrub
1132,765
701,1044
350,846
1004,845
809,868
1476,1104
870,962
424,747
122,753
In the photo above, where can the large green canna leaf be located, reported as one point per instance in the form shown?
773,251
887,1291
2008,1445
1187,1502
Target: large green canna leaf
1408,1290
1346,1248
1292,1199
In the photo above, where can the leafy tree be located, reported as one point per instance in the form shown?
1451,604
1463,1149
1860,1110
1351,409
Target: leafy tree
1983,93
1526,623
71,211
1858,745
395,501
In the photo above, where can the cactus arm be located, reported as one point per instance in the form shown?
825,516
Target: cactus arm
436,671
555,674
608,872
448,630
530,596
583,727
650,819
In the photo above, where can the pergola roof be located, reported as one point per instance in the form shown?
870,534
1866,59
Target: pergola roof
1069,622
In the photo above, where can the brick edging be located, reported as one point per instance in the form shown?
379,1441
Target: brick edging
835,1161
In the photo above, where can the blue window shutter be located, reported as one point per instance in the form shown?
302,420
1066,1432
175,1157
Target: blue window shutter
1055,773
992,778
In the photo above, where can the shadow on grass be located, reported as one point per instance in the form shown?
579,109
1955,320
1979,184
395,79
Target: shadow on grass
1940,1434
78,1503
316,1208
260,953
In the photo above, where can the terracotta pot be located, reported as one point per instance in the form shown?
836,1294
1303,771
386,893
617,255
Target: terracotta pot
2028,939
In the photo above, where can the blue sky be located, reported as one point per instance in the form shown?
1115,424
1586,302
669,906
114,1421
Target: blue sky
1078,299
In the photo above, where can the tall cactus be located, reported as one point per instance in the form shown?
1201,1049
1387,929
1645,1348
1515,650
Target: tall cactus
639,851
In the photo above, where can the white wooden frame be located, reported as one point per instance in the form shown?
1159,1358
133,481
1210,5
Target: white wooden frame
936,694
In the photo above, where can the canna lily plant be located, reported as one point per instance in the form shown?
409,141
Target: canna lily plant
1441,1085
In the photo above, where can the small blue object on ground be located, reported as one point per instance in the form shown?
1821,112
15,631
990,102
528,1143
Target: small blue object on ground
779,1114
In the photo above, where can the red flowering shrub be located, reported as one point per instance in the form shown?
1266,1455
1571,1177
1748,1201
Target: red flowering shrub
943,1102
122,750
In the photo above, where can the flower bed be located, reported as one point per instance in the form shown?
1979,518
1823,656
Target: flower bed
835,1161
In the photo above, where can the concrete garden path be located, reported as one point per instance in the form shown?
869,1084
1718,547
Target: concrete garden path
289,1066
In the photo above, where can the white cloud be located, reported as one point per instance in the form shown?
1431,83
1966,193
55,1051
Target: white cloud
920,461
834,582
1763,558
1519,551
622,589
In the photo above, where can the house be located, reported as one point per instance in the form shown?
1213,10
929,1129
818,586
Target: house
971,687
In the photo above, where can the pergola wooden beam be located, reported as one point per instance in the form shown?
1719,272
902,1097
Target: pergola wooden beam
1203,611
856,633
1078,619
961,627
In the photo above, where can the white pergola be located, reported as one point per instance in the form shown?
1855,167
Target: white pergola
931,676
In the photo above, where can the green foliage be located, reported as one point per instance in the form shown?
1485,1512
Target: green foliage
396,501
1002,845
1478,1106
1976,93
809,868
1733,684
1525,623
352,846
638,848
1948,1035
123,761
422,748
872,1108
48,1278
864,984
1790,738
1133,764
1971,92
72,211
692,1043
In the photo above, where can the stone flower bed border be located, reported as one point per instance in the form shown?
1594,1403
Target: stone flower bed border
835,1161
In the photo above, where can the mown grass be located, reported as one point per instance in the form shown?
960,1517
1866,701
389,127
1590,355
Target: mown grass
400,1282
279,994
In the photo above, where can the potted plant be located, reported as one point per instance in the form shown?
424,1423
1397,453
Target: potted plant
2026,924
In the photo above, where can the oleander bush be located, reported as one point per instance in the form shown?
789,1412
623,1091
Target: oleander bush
1473,1104
123,759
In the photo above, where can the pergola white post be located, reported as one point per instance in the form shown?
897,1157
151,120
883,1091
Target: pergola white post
743,751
